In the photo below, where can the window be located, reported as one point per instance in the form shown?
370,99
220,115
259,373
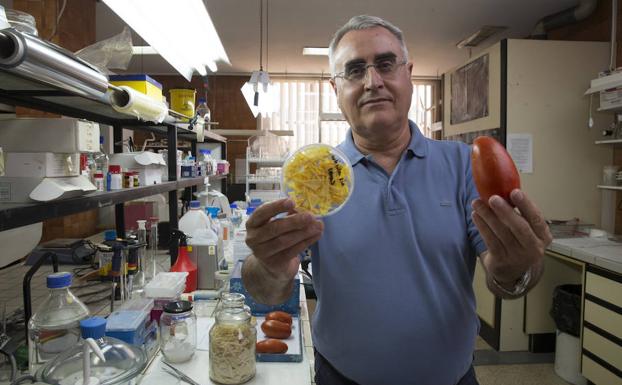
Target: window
308,107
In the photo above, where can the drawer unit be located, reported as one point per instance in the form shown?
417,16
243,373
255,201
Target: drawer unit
602,327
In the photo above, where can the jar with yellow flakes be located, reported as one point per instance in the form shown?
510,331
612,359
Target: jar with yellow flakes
318,178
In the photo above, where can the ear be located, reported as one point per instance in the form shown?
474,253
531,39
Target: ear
334,85
410,68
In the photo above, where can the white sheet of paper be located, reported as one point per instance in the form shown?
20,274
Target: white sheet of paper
520,147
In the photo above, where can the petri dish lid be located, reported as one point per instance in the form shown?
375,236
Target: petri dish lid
123,363
318,178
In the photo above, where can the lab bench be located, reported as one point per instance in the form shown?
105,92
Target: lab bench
596,264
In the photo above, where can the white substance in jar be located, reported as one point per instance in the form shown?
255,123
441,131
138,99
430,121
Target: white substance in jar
232,353
177,351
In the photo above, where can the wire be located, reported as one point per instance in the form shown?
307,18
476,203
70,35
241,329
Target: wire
267,33
261,35
60,14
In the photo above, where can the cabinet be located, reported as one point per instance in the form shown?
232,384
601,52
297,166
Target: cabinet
26,92
257,178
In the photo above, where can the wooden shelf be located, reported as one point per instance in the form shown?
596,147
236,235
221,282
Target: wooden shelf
608,141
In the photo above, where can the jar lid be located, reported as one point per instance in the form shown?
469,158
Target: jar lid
58,280
176,307
94,327
195,204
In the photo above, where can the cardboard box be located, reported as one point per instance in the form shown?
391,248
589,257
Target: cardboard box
149,165
59,135
291,306
141,83
41,164
27,190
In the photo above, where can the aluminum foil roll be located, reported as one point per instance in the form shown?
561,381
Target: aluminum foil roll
30,57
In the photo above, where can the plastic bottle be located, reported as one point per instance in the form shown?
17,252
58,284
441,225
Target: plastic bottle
227,237
101,158
213,164
236,215
194,219
114,179
183,262
55,326
204,112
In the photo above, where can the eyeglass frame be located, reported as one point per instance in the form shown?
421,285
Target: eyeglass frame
366,67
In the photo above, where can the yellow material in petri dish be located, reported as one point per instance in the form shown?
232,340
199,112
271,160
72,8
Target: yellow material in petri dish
318,178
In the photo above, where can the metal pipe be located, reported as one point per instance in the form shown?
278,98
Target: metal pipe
564,17
614,34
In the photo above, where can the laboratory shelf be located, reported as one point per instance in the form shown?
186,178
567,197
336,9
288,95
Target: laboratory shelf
267,162
20,214
608,141
602,187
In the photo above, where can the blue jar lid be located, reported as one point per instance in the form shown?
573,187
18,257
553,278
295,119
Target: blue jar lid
250,210
233,206
101,139
58,280
110,235
195,204
94,327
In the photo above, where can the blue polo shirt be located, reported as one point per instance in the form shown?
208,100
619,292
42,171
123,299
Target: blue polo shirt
393,270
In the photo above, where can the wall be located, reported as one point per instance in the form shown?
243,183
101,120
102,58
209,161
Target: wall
597,27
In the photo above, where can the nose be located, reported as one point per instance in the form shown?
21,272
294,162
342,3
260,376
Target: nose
372,79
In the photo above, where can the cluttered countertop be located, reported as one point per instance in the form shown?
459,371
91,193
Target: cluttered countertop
600,251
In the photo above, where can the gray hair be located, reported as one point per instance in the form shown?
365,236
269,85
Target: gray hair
363,22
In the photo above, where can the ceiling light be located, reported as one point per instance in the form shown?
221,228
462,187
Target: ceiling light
182,33
484,33
315,51
259,83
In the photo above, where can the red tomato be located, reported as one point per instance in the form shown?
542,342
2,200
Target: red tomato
279,316
271,346
494,171
276,329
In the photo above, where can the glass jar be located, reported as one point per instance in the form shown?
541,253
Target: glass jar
178,331
232,342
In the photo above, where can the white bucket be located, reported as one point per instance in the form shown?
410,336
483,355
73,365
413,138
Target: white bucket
568,358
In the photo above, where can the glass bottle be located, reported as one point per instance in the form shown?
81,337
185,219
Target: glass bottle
55,326
178,331
232,342
150,263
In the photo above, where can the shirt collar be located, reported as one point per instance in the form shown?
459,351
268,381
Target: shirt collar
418,145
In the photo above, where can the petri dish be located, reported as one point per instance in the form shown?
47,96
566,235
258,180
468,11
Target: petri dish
318,178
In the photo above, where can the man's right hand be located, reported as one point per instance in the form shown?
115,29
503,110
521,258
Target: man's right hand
277,242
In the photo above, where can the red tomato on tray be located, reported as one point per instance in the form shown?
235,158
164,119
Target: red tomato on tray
494,171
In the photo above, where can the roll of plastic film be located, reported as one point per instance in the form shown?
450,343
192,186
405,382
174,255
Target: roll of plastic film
131,102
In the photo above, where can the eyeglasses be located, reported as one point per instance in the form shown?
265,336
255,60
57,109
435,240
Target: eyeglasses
356,72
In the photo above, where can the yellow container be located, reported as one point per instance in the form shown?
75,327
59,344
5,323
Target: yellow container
182,101
141,83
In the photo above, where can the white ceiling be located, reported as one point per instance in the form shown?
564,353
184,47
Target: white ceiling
431,28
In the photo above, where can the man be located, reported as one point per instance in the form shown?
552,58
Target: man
393,269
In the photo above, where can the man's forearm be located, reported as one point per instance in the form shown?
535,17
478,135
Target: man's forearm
262,285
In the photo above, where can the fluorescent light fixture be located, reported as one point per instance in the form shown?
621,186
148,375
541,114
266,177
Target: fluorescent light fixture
182,32
482,34
143,50
261,95
315,51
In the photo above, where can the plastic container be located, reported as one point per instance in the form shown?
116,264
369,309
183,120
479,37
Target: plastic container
182,101
568,358
55,326
178,331
319,178
129,323
123,362
21,21
194,219
204,111
166,285
232,341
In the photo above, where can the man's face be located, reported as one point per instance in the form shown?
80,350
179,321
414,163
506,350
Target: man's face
378,102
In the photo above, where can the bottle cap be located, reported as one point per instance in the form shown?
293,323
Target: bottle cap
58,280
213,211
114,169
176,307
94,327
233,206
250,210
208,151
110,235
195,204
201,100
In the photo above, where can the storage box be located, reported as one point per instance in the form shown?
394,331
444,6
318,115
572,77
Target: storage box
64,135
148,164
141,83
19,190
130,322
41,164
291,306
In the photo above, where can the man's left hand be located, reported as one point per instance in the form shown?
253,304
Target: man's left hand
516,240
